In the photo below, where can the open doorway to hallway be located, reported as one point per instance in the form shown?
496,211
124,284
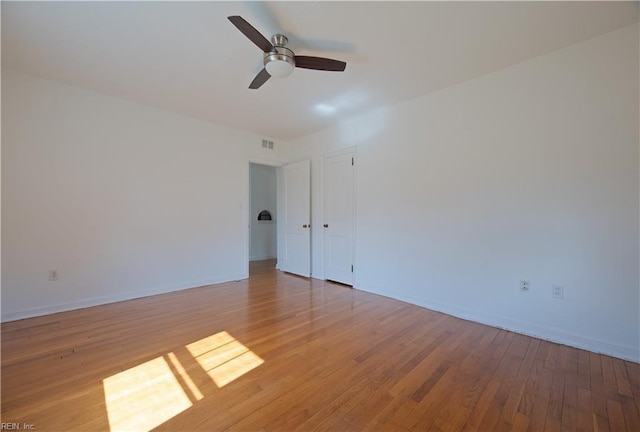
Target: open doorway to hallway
262,215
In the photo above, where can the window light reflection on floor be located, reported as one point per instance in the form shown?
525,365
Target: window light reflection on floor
195,392
146,396
223,357
143,397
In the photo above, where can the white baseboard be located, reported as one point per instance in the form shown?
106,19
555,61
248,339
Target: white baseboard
96,301
261,258
534,330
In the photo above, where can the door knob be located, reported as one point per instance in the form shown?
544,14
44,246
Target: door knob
304,226
326,225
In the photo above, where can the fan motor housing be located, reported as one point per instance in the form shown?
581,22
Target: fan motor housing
281,53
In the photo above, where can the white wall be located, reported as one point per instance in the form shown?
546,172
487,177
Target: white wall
263,197
527,173
122,199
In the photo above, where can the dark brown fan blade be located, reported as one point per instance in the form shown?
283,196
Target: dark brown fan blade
260,79
320,63
251,33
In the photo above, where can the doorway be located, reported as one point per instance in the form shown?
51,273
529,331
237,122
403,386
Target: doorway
263,215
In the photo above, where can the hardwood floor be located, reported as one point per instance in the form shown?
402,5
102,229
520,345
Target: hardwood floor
278,352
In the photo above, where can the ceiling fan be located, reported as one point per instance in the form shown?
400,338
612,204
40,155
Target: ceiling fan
279,60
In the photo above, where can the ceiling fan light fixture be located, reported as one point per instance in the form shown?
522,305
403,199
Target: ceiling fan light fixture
279,68
279,61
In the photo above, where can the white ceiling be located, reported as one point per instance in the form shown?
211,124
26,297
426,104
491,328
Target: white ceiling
186,57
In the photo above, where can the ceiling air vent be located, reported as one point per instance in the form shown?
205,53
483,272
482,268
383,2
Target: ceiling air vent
267,144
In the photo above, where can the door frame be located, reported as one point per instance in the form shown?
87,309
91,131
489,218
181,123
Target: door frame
353,150
247,216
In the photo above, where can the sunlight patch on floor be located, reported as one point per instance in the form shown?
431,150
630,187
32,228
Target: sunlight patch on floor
223,357
146,396
193,388
143,397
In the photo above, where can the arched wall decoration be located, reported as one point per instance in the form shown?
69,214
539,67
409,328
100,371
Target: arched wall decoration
264,215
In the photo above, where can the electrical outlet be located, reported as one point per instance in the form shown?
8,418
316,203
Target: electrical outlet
557,291
525,286
53,275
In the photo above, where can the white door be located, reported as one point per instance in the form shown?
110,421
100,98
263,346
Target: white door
339,218
297,218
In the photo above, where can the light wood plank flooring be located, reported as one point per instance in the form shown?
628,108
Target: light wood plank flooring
279,352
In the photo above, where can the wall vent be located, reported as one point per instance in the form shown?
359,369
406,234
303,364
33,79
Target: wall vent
267,144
